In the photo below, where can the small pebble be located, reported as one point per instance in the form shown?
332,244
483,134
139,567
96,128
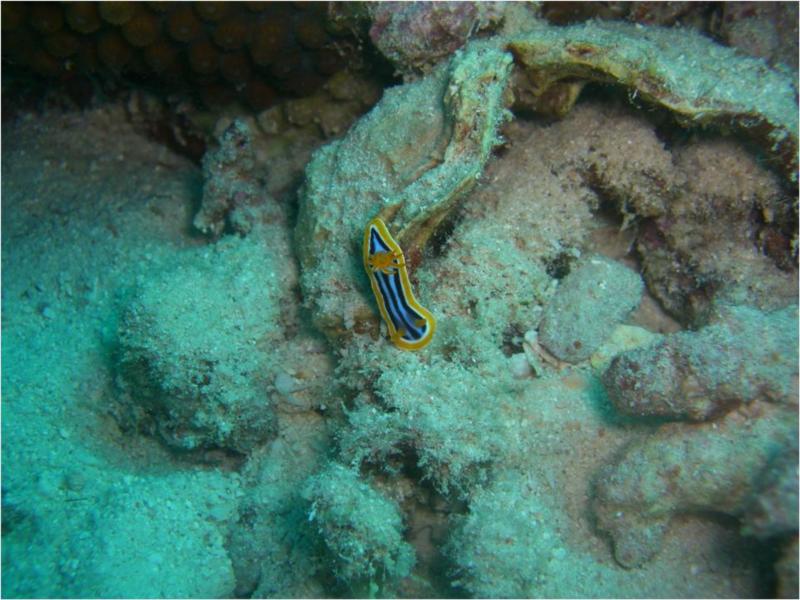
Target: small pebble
519,366
285,384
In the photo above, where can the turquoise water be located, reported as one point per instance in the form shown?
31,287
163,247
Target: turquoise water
608,406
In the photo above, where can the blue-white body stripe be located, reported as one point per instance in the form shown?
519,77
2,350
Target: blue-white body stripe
402,315
411,326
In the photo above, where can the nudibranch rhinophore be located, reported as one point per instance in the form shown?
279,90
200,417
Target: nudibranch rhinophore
411,326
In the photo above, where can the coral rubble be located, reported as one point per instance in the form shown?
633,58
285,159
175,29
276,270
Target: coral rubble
589,303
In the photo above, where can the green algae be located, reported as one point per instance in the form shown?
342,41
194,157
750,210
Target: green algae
361,528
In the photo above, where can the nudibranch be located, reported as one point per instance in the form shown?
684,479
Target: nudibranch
411,326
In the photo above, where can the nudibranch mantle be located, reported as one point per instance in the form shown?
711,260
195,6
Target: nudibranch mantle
411,327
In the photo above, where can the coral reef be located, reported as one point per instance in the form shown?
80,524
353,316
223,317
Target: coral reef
454,438
787,572
287,134
253,53
497,460
743,356
544,57
590,302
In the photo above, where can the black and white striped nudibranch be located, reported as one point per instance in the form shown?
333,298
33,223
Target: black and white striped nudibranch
411,326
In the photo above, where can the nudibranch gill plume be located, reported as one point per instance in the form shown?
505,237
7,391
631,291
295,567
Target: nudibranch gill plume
411,327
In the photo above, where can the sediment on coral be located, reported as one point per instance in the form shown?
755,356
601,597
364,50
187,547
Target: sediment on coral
457,109
203,383
676,68
452,117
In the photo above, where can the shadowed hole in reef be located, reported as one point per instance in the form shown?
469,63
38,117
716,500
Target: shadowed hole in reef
560,265
440,239
512,339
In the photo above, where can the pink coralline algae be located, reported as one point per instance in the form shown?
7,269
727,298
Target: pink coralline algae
416,35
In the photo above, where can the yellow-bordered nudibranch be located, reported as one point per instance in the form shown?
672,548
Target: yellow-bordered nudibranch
411,327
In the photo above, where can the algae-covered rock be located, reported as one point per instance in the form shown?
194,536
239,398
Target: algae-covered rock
728,233
232,180
195,343
744,356
361,528
697,80
273,552
590,302
786,571
682,469
420,150
410,160
503,547
773,510
415,35
441,412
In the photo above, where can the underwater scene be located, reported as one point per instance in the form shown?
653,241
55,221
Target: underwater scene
399,299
